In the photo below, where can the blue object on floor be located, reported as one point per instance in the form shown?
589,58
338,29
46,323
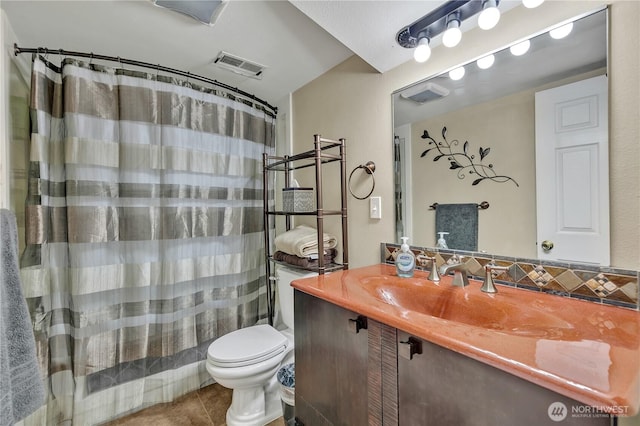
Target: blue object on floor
287,376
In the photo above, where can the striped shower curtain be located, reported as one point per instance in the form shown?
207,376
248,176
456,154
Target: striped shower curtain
144,234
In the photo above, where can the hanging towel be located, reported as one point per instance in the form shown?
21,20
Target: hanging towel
461,222
21,387
303,241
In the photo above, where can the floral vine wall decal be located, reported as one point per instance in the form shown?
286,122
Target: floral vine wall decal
464,162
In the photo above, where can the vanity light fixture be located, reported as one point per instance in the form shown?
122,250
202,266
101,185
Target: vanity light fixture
490,15
456,73
423,50
452,34
486,62
561,32
446,20
520,48
532,4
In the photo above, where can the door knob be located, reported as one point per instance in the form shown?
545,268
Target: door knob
547,245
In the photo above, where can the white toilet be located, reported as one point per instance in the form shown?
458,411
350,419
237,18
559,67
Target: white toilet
248,359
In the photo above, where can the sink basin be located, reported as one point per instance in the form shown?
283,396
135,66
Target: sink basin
499,312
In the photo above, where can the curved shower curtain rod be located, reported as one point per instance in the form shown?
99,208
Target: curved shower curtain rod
18,50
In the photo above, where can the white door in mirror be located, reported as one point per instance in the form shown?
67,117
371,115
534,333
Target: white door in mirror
572,172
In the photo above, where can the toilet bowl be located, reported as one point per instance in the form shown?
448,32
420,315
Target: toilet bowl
248,359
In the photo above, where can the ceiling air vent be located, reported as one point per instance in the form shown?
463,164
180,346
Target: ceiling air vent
239,65
425,92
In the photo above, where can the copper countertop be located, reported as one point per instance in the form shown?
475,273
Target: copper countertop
583,350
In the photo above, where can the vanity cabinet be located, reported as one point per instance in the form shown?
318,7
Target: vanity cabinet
331,364
355,371
437,386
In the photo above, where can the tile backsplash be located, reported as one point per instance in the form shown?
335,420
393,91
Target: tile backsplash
611,286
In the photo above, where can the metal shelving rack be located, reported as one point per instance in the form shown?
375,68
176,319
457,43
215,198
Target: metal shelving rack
324,152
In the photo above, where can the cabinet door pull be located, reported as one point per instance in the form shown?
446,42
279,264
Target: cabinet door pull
409,348
360,323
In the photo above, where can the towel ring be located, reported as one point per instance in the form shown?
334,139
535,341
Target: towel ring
369,167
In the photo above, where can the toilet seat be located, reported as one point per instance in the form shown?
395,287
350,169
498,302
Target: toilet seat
246,346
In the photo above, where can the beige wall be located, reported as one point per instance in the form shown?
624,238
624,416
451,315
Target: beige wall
14,126
353,101
5,30
624,124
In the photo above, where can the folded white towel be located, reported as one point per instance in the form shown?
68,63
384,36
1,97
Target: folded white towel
303,241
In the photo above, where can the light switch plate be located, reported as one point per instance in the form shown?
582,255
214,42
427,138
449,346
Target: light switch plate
375,207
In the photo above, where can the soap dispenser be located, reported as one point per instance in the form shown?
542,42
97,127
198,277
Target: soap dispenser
405,260
442,243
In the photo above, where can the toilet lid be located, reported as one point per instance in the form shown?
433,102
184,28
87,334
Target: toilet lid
247,346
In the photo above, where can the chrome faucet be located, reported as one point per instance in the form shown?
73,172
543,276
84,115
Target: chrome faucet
433,273
460,278
488,286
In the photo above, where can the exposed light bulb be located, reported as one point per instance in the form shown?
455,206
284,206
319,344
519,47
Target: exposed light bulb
453,34
531,4
456,73
490,15
520,48
486,62
422,51
561,32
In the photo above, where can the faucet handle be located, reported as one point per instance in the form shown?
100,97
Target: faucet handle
433,272
488,285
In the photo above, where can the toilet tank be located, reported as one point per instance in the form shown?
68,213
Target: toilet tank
285,292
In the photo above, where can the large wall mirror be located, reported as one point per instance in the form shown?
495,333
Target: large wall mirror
489,114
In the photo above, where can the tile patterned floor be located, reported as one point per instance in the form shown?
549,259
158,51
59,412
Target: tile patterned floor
204,407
